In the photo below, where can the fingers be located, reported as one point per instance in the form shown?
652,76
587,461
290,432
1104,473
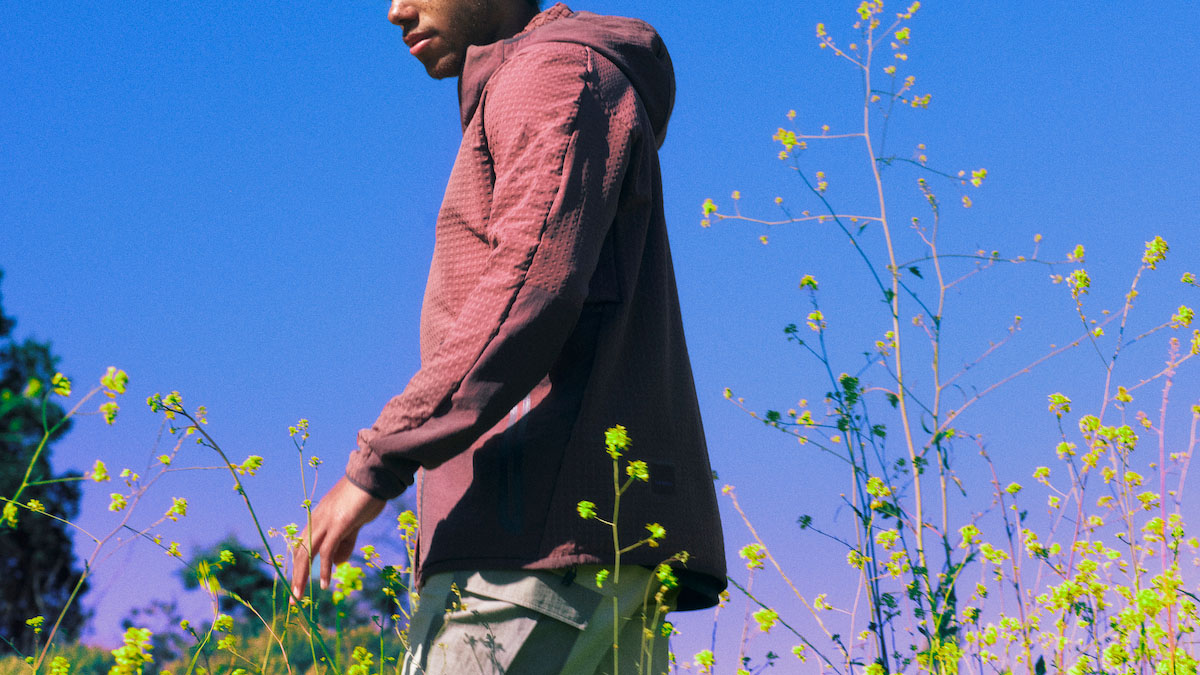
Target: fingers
326,568
301,565
333,529
344,548
339,550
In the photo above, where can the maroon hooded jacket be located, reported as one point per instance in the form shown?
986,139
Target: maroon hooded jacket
550,315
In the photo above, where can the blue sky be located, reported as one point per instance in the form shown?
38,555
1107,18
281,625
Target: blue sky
235,200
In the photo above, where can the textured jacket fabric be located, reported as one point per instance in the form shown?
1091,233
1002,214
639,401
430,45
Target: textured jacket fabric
550,315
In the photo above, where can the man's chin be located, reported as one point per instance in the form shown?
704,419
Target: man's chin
446,66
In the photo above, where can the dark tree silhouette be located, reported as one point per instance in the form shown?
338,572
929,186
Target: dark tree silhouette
38,568
244,573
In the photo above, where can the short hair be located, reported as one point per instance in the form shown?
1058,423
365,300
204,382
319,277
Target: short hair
537,4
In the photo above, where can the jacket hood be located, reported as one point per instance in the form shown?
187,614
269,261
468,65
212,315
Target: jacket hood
631,44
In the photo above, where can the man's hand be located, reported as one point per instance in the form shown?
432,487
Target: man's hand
330,536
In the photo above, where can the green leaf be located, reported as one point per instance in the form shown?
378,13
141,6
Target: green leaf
888,510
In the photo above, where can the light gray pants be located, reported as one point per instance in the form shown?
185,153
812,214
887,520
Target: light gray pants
522,622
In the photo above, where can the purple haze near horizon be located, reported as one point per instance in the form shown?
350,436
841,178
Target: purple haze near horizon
236,201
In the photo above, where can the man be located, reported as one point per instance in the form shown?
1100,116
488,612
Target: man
550,316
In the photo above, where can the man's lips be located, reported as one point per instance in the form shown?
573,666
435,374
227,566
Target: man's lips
417,42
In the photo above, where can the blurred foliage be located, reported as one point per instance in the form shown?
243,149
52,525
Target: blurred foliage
37,563
84,660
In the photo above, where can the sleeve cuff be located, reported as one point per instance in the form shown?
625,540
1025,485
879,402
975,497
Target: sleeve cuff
368,471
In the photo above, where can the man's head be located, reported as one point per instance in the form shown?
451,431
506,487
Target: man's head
438,32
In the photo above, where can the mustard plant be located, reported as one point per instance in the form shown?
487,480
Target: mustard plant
221,646
616,444
1095,583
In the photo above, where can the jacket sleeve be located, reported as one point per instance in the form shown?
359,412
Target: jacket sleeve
559,162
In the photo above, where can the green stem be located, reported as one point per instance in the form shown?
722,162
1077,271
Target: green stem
314,628
750,596
616,560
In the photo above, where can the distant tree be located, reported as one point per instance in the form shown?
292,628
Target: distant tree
240,571
38,568
168,640
243,571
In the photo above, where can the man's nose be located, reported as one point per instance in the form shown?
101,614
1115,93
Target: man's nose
401,13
